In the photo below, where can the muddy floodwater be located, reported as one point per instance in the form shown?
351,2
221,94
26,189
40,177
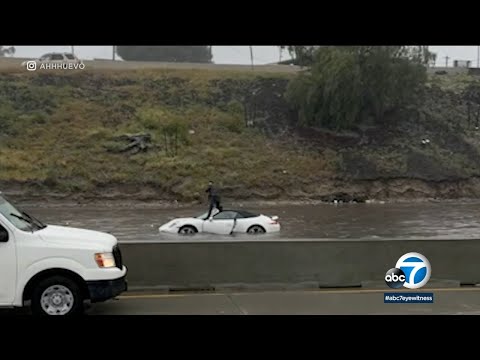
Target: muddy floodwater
342,221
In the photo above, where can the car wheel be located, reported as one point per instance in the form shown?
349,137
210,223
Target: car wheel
187,230
57,295
256,229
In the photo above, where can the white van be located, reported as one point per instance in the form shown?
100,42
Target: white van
55,269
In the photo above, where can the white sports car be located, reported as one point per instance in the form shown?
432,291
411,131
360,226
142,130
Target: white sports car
223,223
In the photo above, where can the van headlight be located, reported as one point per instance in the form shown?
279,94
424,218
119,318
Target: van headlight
105,260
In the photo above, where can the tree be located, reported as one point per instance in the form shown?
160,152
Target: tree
348,85
6,50
304,55
301,55
197,54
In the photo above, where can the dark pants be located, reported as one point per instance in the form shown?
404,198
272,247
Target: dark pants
214,203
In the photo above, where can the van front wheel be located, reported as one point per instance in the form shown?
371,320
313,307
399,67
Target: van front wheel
57,295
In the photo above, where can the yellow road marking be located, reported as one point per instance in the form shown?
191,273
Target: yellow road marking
318,291
155,296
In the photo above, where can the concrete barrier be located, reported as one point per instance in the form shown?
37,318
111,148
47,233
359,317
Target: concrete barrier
288,263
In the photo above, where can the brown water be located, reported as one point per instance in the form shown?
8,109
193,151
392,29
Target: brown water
345,221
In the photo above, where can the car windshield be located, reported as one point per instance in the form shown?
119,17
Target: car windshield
70,56
19,219
204,215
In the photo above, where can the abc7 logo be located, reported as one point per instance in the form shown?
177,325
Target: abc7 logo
412,271
31,65
395,278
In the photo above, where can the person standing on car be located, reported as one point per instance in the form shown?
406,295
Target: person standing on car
213,199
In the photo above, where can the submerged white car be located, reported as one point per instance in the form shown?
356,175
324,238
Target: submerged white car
223,223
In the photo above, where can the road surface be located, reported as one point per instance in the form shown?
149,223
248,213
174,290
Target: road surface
455,301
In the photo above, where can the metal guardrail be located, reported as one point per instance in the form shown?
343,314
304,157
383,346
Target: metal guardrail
8,63
15,63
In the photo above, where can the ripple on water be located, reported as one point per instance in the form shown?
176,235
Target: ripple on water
355,221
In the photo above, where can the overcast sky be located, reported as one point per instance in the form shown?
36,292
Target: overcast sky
237,54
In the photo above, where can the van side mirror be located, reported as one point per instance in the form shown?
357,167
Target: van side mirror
3,235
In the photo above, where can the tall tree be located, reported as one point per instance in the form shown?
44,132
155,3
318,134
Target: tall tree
347,85
7,50
304,55
301,55
197,54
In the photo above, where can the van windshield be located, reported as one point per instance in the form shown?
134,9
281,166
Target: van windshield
15,216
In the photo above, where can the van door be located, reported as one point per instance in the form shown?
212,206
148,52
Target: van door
8,267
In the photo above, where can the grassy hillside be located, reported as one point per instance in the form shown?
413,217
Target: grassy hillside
59,136
57,130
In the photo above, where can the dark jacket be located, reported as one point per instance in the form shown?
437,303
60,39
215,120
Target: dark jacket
212,192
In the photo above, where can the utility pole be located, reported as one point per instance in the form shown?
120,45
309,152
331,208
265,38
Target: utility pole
73,50
478,56
251,56
446,60
114,52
